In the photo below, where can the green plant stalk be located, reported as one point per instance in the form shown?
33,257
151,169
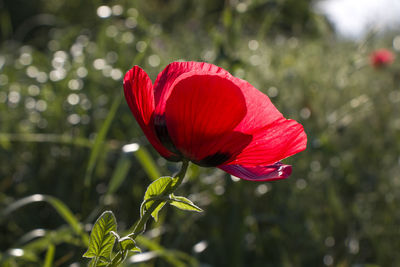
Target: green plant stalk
140,225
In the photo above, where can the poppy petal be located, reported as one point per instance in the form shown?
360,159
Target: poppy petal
260,110
163,89
273,137
201,113
273,143
164,80
272,172
138,90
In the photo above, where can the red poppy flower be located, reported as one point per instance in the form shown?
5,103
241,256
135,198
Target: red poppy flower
200,112
381,58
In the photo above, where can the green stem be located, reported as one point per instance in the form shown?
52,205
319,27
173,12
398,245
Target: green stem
141,224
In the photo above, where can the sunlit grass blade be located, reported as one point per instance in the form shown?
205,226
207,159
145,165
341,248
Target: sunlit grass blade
147,162
68,216
57,204
45,138
8,258
36,242
48,261
62,235
120,173
144,158
172,257
98,143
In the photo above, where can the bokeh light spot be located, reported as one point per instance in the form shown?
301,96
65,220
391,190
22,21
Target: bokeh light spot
253,45
73,99
73,119
104,11
141,46
154,60
272,91
117,10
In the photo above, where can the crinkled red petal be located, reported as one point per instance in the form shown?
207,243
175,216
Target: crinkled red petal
139,94
272,172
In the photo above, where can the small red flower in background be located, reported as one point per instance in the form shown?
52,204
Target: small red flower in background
202,113
381,58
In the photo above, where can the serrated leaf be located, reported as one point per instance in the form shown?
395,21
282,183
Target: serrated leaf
184,204
155,189
101,241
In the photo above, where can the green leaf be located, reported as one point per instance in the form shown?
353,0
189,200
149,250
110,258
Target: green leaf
101,241
135,250
155,190
184,204
96,263
130,245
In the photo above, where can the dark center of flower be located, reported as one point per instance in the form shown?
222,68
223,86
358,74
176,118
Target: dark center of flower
161,129
214,160
163,135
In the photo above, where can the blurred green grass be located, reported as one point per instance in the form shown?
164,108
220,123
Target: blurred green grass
61,69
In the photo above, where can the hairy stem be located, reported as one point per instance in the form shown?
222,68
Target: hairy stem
141,224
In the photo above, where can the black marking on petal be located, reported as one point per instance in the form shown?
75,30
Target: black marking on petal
214,160
160,126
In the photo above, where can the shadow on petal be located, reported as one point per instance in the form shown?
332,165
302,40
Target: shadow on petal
229,146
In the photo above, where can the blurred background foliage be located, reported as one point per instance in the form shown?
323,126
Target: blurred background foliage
64,125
